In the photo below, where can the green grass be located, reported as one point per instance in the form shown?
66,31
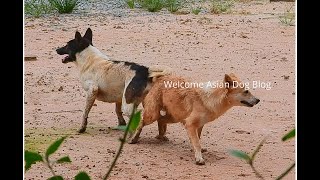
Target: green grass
196,11
64,6
130,3
173,5
288,17
152,5
37,8
40,138
221,6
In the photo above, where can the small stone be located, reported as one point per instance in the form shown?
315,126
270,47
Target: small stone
285,77
145,176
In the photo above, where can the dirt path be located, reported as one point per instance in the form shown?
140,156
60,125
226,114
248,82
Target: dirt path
204,47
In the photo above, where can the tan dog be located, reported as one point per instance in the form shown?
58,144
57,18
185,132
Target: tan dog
123,83
194,107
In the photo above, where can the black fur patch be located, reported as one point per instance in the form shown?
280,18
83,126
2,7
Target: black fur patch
138,83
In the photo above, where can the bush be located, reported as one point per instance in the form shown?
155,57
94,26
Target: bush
36,8
288,17
196,11
173,5
152,5
221,6
130,3
64,6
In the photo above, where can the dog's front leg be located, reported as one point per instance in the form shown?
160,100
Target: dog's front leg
199,134
194,138
91,97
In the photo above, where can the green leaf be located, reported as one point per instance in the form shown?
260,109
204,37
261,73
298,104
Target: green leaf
82,176
240,154
64,159
135,120
54,146
31,158
257,149
56,178
290,135
121,127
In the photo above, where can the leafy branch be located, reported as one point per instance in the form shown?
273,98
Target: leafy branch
34,157
131,127
250,159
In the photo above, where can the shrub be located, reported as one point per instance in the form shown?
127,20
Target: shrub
36,8
64,6
152,5
130,3
196,11
221,6
173,5
287,17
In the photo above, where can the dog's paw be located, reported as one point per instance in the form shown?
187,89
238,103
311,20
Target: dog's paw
162,138
200,162
82,130
132,140
122,123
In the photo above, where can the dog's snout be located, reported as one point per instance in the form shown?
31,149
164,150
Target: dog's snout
61,51
257,101
58,51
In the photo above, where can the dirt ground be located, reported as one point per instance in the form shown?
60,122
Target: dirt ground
255,46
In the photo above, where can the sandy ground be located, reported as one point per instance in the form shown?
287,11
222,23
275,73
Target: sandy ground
204,47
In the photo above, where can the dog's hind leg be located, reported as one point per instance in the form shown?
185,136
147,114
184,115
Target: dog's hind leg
135,137
121,121
149,116
162,127
194,138
91,97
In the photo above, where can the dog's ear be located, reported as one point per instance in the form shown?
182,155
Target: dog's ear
77,36
88,35
229,80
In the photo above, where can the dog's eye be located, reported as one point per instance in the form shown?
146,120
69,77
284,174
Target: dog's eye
246,92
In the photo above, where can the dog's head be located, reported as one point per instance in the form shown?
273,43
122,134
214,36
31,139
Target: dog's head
238,94
75,46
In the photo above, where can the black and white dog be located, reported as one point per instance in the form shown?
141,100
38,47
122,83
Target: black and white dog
123,83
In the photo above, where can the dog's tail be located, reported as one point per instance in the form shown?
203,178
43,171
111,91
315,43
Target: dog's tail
156,71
